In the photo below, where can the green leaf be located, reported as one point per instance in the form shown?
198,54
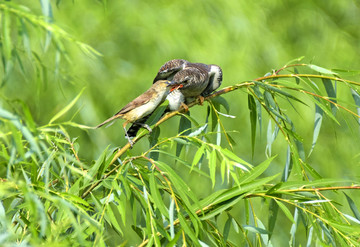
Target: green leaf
95,168
286,211
330,90
221,101
352,206
198,155
256,171
356,98
212,166
188,230
273,212
112,218
317,126
321,70
184,128
253,116
157,114
67,108
154,189
255,229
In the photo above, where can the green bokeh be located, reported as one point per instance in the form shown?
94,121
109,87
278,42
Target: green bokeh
246,38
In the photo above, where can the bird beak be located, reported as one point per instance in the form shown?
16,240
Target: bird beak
174,85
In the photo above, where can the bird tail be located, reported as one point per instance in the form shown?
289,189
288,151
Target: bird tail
108,120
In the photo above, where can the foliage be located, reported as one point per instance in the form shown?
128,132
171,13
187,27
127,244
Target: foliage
190,188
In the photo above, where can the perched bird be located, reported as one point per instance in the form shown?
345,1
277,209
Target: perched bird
192,80
142,106
210,75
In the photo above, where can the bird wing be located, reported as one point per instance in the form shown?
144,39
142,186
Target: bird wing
191,74
139,101
169,69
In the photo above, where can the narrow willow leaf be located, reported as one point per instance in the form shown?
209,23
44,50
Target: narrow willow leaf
321,70
157,114
308,243
221,101
356,98
327,232
312,171
67,108
297,80
17,138
330,90
352,206
182,188
95,168
316,183
234,157
171,218
317,126
227,228
187,229
198,131
256,171
265,237
218,135
212,166
198,155
112,218
153,140
294,227
322,105
255,229
155,193
273,212
174,239
353,219
286,211
239,190
184,128
222,207
269,88
253,116
288,165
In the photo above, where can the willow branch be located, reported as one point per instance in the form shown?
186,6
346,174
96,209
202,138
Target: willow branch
225,90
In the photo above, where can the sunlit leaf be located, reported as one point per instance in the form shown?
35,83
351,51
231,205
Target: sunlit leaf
321,70
66,108
154,189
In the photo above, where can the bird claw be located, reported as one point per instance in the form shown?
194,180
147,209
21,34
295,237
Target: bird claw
201,99
147,127
186,108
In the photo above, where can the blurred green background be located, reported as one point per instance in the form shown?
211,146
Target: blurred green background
246,38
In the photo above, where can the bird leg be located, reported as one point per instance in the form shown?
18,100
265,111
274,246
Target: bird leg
201,99
186,108
143,125
127,136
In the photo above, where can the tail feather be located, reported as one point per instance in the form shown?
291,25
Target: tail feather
107,121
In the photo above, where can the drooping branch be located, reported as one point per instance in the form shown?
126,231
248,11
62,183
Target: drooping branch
225,90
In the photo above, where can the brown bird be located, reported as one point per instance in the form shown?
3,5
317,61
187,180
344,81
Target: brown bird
142,106
193,80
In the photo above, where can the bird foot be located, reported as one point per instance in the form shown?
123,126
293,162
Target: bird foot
186,108
146,127
201,99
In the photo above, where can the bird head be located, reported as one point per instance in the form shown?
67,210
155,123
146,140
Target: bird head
167,85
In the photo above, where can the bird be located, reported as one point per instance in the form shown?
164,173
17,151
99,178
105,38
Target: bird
192,80
198,79
142,106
